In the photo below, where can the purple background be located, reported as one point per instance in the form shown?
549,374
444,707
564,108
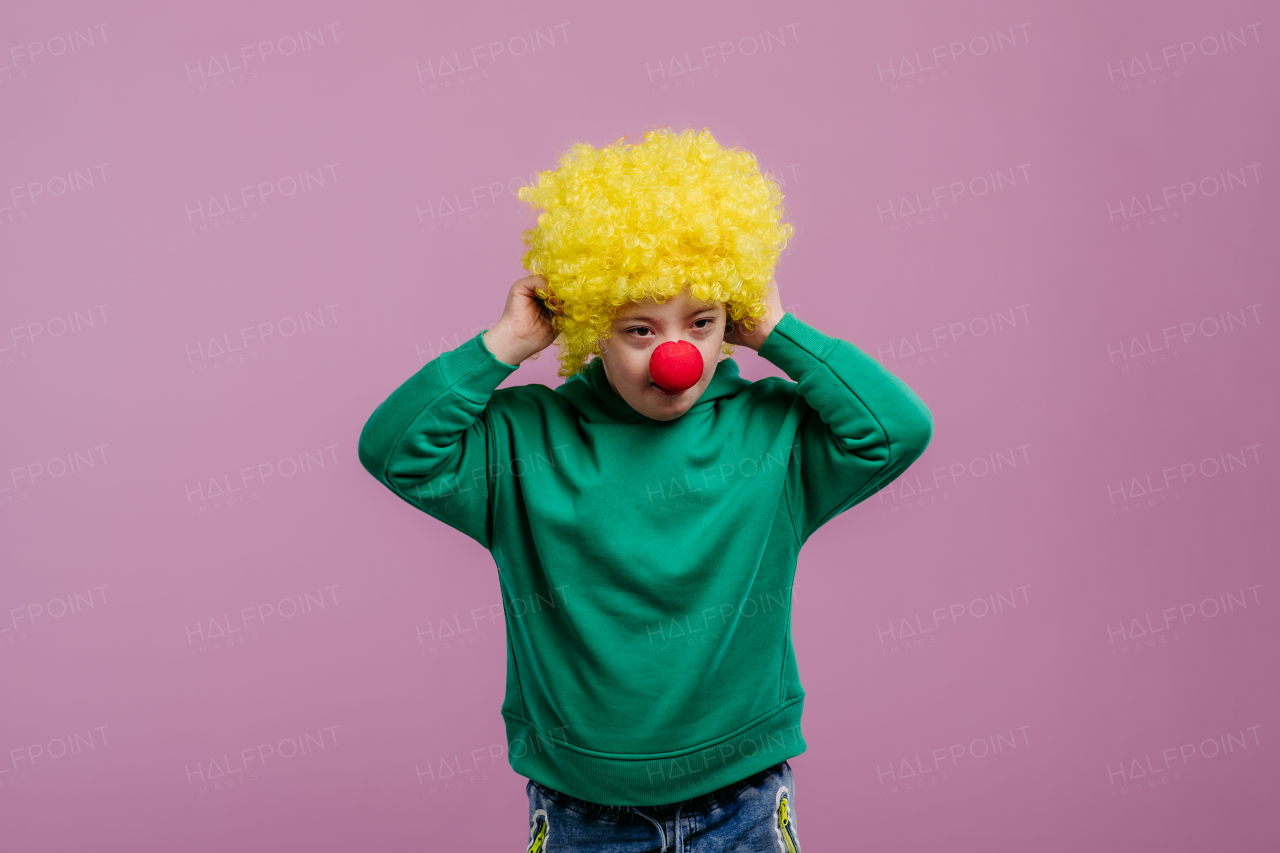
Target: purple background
1057,222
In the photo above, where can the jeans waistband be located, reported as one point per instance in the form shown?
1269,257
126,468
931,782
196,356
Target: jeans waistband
705,802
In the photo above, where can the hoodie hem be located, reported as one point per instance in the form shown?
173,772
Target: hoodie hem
659,778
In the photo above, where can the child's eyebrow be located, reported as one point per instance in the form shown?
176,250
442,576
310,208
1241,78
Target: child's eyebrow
653,319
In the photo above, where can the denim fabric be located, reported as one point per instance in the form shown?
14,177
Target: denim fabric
753,815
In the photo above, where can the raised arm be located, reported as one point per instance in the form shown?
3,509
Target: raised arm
428,441
863,426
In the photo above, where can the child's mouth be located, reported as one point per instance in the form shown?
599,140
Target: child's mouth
664,391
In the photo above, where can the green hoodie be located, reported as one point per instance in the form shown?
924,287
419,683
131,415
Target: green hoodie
646,566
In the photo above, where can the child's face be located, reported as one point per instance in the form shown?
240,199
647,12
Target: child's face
639,328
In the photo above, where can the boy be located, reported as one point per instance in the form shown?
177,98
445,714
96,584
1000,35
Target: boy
653,700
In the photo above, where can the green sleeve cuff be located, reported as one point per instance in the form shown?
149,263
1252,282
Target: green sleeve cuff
796,347
473,371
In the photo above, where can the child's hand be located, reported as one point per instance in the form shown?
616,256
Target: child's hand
739,336
525,329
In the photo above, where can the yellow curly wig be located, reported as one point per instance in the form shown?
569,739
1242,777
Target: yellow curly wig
627,222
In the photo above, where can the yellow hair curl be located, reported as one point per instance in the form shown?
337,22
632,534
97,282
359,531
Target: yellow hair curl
627,222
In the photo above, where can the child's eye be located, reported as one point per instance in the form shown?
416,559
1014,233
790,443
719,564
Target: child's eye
638,330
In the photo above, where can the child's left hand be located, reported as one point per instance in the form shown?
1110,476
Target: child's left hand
754,339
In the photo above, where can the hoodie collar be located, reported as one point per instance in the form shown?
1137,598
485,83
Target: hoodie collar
591,393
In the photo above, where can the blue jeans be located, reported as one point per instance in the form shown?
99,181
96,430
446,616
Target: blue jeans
753,815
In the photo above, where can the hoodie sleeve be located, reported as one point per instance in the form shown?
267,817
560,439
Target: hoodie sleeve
861,427
429,441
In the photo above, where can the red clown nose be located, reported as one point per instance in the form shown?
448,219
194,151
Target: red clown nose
676,365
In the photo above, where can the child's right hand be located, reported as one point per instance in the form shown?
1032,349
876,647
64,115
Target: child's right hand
525,329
